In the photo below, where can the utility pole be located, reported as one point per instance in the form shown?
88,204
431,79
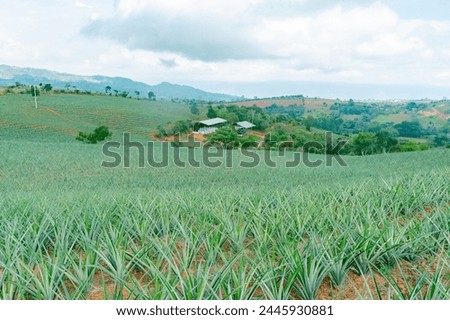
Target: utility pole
35,97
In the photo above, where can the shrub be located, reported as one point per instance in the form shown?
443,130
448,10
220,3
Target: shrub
249,141
100,134
413,146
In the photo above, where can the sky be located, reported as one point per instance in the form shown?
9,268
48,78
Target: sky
328,48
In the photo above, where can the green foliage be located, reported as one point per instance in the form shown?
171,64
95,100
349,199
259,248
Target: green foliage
211,113
70,229
308,122
124,94
411,129
162,132
179,126
233,113
249,141
364,143
441,140
100,134
151,96
413,146
182,126
385,142
277,136
292,111
35,91
226,136
194,109
47,87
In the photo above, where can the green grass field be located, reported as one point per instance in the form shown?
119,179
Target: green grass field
72,229
394,118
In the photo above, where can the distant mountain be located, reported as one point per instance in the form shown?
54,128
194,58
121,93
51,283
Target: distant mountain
164,91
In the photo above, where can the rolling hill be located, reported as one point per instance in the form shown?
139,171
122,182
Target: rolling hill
164,91
59,117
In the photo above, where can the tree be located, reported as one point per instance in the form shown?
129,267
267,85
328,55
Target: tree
411,105
309,121
385,142
151,96
182,126
108,89
194,109
224,114
226,136
124,94
303,99
411,129
211,112
47,87
364,143
441,140
137,94
100,134
116,92
35,91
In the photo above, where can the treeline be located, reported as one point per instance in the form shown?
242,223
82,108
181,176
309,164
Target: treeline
20,88
409,129
287,136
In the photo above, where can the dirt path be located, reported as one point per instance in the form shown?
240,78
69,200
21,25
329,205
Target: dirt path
56,113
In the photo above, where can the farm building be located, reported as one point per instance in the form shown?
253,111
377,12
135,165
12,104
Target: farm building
243,126
210,125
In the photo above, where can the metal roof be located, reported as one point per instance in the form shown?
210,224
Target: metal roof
214,121
245,124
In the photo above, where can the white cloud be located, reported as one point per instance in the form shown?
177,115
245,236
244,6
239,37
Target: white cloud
80,4
443,75
235,41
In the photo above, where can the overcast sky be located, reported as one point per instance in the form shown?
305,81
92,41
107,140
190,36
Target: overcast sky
361,49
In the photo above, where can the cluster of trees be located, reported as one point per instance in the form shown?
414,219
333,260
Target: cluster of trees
408,129
33,90
367,110
234,113
410,106
124,94
277,139
366,143
285,137
228,138
172,128
289,127
36,90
